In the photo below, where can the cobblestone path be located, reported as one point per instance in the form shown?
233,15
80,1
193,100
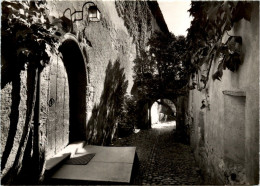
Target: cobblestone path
162,160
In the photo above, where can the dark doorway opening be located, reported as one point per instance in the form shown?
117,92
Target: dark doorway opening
77,78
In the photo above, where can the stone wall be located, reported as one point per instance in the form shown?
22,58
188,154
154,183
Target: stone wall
103,52
224,117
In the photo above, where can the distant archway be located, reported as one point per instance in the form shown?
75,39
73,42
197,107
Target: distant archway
163,110
147,114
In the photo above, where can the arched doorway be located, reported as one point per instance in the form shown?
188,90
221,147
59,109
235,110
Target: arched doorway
67,97
163,111
77,79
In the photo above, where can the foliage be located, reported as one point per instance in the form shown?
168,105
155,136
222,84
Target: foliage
128,115
137,21
230,56
27,31
162,67
211,21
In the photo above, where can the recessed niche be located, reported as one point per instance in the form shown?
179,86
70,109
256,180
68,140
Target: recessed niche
234,132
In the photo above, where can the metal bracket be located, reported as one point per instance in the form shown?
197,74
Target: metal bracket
51,102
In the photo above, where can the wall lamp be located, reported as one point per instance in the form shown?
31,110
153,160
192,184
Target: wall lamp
93,13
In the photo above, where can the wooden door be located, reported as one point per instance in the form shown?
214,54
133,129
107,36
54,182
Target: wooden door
58,102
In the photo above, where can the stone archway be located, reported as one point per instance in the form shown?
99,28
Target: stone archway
180,102
163,110
145,110
67,97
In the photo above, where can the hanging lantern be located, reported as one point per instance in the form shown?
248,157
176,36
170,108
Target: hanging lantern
93,13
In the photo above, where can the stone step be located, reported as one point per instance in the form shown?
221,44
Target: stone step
63,155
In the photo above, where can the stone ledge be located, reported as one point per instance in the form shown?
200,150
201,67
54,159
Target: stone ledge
239,93
109,165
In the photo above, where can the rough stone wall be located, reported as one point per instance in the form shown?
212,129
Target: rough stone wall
108,48
224,128
13,116
17,103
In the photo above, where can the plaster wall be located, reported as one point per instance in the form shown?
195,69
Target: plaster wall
227,129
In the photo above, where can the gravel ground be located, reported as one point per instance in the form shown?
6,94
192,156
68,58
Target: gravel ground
162,159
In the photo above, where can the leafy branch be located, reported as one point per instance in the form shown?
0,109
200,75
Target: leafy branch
28,31
211,21
162,68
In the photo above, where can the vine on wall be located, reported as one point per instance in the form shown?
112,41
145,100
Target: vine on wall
27,31
212,20
137,18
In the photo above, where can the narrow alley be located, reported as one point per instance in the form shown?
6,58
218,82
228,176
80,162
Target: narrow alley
162,160
129,92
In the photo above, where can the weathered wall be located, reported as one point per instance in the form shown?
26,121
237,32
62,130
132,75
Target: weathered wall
112,39
225,131
107,48
14,118
182,128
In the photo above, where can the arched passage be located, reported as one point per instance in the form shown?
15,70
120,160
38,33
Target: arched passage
163,110
77,81
180,102
150,110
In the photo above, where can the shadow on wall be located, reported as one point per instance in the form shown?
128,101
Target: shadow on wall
102,125
17,155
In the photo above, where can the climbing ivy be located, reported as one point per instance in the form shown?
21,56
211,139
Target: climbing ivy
211,21
128,116
137,21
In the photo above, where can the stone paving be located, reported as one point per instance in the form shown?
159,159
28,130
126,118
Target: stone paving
162,159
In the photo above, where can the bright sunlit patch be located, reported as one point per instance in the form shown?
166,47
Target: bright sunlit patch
155,113
164,125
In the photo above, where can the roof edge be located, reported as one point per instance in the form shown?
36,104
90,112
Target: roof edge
157,13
